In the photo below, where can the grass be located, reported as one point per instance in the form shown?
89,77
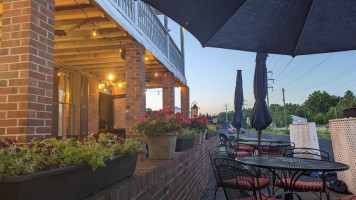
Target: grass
322,132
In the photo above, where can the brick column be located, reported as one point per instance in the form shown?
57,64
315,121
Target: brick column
135,85
93,106
26,65
168,91
184,101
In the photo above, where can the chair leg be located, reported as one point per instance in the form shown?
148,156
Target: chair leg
217,188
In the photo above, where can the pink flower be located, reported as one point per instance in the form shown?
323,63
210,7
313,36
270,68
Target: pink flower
158,120
141,121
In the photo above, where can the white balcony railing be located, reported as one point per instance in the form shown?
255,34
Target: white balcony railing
146,22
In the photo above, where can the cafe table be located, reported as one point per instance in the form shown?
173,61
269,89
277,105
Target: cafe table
293,168
262,140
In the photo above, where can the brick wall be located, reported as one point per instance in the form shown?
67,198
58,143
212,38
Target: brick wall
168,90
184,101
135,85
93,106
119,109
26,65
184,177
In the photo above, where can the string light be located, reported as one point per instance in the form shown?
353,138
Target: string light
120,85
94,32
156,74
100,86
111,77
146,58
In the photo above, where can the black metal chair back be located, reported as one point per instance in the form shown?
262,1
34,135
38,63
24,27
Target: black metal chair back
309,153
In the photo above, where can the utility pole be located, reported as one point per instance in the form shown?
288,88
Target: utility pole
335,113
269,86
285,114
226,112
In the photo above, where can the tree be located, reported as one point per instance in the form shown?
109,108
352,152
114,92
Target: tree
331,114
319,118
319,102
277,112
148,110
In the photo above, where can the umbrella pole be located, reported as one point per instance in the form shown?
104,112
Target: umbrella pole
259,133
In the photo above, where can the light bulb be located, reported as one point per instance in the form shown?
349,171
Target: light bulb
156,74
146,58
120,85
120,50
111,77
94,32
100,86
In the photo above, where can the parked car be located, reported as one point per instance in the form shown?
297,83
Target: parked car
226,132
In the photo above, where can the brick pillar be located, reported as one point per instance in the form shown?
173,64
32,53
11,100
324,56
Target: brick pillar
26,65
184,101
168,91
135,85
93,106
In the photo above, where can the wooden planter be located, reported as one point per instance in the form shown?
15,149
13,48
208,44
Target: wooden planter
198,139
76,182
185,143
350,112
162,147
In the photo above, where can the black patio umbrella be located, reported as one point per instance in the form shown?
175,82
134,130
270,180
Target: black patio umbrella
293,27
260,117
238,101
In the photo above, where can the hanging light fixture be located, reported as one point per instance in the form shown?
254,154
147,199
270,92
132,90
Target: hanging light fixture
156,74
94,32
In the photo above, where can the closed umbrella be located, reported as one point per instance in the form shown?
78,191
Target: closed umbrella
260,117
293,27
237,121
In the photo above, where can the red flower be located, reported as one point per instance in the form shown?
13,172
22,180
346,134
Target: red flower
141,121
158,120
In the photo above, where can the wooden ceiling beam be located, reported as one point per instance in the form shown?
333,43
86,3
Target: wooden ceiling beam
94,61
83,24
60,3
78,13
87,34
108,54
86,50
103,42
118,65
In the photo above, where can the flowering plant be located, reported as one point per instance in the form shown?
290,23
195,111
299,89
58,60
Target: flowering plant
186,134
197,123
211,128
159,123
52,153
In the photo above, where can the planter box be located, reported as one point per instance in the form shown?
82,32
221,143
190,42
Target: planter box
183,144
209,135
67,183
162,147
198,139
350,112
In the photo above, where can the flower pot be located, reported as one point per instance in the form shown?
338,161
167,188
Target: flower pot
162,147
198,139
184,143
350,112
76,182
202,136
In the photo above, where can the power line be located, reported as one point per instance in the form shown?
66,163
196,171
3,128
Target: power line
285,67
310,70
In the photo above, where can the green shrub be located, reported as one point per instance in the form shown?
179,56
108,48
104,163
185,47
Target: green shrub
52,153
211,128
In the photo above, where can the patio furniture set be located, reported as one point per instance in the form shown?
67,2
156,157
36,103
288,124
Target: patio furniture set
280,170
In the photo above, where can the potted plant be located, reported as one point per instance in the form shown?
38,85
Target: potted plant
349,103
159,130
64,169
199,125
211,129
185,140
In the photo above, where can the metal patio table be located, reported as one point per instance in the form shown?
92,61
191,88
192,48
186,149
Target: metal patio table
267,144
262,140
292,167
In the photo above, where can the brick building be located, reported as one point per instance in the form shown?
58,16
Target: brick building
71,67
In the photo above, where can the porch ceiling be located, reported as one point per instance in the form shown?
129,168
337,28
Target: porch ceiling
99,55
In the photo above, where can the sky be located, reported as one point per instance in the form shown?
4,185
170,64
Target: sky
211,75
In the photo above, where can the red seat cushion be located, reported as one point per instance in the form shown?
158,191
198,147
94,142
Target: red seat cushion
245,147
301,185
244,182
241,153
263,197
348,197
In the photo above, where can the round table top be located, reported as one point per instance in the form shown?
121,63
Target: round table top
292,163
270,144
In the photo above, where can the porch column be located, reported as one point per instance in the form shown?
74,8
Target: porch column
168,90
26,65
93,106
184,101
135,85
